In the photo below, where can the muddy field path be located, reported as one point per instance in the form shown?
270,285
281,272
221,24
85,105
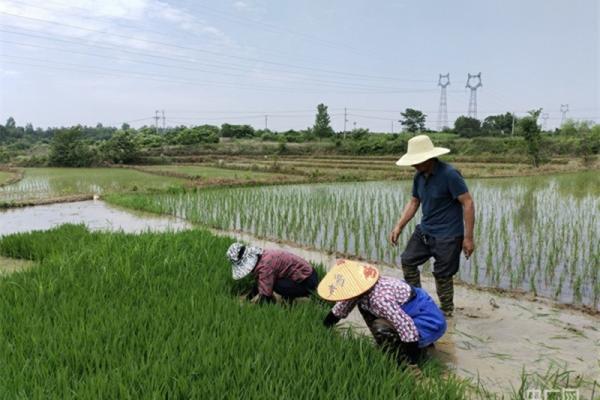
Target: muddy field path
492,337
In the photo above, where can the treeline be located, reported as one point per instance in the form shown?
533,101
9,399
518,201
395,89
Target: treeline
79,146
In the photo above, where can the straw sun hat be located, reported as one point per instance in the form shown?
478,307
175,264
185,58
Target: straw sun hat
243,259
347,279
420,149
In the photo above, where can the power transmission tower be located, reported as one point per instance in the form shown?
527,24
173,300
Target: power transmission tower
163,121
443,82
473,99
564,109
545,117
392,127
156,118
266,122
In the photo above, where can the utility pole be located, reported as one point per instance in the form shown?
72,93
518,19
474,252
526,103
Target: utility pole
156,118
392,127
512,131
564,109
345,120
266,122
473,99
354,123
443,82
163,121
545,117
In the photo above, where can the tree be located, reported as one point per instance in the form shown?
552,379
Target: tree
498,124
121,148
237,131
467,126
531,131
10,123
68,150
413,120
571,127
322,128
198,134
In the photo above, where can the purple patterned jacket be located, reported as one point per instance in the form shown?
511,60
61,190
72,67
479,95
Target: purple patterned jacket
384,300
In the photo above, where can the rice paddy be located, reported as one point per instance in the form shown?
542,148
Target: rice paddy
114,315
45,183
540,235
5,176
202,172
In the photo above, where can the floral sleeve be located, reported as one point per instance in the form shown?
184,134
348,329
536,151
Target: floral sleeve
341,309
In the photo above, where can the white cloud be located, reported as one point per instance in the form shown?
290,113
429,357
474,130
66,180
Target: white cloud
112,16
8,72
240,5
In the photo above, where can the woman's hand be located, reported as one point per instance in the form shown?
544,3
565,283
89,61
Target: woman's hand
330,320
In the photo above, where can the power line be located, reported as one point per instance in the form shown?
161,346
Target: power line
269,27
201,50
316,81
164,78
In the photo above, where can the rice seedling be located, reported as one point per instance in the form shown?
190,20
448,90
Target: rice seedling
113,315
530,234
44,183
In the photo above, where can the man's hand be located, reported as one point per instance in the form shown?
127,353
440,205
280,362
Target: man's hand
394,234
468,247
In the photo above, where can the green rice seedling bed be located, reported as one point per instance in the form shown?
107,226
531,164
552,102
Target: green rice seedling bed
45,183
117,316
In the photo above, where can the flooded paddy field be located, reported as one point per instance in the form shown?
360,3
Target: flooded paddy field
485,342
535,234
47,183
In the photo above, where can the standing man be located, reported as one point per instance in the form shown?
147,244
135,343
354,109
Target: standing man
447,223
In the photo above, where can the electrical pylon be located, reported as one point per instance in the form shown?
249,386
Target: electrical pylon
473,99
443,82
564,109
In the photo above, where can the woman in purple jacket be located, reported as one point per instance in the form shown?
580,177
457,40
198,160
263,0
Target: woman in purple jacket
275,271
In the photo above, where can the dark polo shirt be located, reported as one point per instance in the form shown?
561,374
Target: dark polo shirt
438,193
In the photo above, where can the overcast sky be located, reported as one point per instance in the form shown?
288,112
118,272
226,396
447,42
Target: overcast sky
86,61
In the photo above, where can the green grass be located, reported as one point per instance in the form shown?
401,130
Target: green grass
44,183
157,316
5,176
205,172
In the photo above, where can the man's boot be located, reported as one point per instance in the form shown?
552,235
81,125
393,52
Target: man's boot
412,275
445,292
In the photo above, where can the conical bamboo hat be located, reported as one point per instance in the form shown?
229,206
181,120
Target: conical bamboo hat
347,279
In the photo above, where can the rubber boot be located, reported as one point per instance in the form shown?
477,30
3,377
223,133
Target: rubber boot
445,292
412,275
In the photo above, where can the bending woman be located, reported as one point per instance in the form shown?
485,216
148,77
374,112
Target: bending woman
275,271
404,320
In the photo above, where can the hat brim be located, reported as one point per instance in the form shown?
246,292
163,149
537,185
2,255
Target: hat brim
412,159
346,280
241,269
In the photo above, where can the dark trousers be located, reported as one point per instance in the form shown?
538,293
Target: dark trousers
446,254
289,289
387,338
